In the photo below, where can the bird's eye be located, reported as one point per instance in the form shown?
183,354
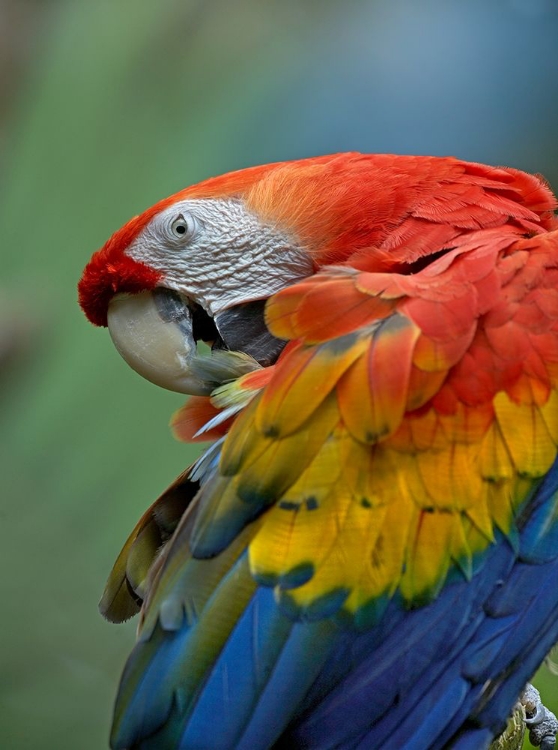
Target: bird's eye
182,227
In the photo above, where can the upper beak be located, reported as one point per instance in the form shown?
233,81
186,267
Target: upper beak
153,331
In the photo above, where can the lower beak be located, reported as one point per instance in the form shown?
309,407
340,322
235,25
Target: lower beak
153,331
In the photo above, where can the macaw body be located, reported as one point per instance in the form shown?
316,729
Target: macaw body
367,555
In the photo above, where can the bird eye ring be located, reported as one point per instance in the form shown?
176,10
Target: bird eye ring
182,228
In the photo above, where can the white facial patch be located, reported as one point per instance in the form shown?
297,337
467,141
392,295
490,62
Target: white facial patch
218,253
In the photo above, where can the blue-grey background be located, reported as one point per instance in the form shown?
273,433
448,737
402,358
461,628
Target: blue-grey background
107,106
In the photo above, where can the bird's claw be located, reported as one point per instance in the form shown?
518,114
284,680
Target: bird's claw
541,723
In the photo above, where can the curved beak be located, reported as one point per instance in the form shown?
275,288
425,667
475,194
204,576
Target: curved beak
153,332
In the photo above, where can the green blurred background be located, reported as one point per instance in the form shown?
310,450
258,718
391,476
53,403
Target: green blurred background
107,106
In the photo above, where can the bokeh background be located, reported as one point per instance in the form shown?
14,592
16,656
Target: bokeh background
107,106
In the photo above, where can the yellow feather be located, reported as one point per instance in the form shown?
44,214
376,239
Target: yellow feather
460,551
500,502
450,477
428,556
242,441
333,560
479,515
302,526
528,440
274,469
495,462
387,555
426,431
549,413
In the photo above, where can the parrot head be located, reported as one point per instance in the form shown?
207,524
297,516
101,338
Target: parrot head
196,266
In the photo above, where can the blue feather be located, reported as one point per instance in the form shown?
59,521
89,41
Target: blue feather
240,674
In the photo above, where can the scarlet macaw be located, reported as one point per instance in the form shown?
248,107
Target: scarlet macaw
367,555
